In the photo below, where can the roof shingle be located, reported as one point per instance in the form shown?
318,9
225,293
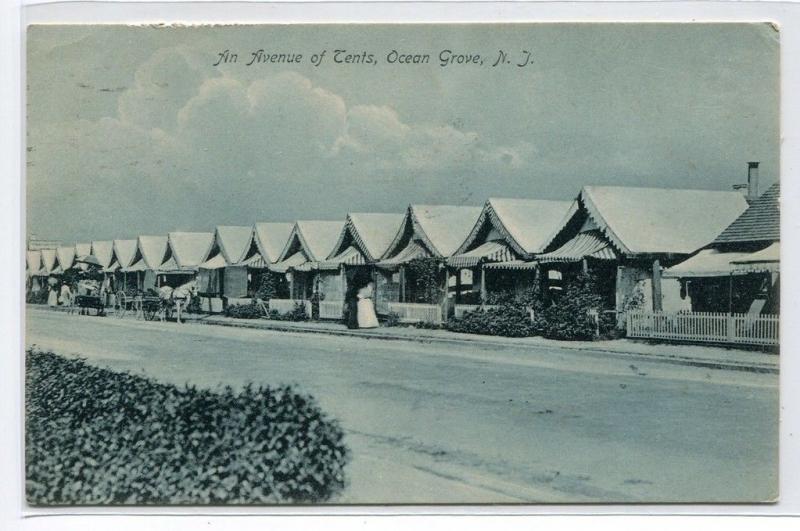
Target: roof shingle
761,221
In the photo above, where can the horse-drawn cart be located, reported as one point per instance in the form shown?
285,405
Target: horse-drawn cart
147,307
83,303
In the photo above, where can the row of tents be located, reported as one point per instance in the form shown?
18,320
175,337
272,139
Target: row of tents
635,240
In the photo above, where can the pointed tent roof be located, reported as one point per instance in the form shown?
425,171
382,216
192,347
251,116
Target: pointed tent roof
65,257
103,251
314,238
270,238
233,242
48,260
653,220
524,224
83,249
123,252
442,228
189,249
33,261
370,233
760,222
150,252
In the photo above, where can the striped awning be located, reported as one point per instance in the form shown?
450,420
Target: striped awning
217,262
589,244
292,262
350,256
511,265
254,262
764,261
410,252
493,251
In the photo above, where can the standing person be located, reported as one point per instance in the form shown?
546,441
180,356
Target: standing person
350,306
65,296
52,296
366,308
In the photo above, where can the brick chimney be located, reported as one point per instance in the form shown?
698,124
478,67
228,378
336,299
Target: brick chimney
752,181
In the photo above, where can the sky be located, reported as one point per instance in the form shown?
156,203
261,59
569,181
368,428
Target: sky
135,130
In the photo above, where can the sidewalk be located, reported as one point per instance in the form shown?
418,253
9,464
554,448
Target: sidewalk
696,355
681,354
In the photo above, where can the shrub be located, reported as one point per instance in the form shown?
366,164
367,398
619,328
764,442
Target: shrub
425,275
94,436
243,311
298,313
569,318
508,321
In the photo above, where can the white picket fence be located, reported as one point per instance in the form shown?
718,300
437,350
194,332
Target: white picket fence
461,309
288,305
330,309
737,328
415,313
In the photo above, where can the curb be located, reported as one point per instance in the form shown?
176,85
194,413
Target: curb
671,359
482,341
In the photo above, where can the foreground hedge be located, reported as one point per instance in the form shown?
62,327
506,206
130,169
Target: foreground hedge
94,436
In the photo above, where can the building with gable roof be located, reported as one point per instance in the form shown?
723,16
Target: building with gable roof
738,272
504,240
223,274
427,231
309,243
363,239
148,255
626,235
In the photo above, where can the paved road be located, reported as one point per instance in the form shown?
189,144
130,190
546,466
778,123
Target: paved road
449,424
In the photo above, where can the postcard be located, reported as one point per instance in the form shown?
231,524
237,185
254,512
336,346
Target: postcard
513,263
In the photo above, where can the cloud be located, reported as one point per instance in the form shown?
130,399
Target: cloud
193,148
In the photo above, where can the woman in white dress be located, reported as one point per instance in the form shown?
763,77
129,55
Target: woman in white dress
52,297
65,297
366,309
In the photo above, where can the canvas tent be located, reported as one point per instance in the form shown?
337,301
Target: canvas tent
103,251
364,237
50,262
122,253
33,263
184,253
309,243
435,231
65,258
222,273
625,235
147,258
508,233
267,241
33,270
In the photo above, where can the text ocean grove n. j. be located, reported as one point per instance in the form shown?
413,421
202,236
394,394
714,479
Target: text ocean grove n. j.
444,58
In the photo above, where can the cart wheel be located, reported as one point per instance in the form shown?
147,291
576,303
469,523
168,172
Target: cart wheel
150,312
